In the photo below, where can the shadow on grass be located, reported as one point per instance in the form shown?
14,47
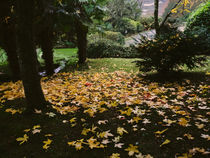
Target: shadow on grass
177,77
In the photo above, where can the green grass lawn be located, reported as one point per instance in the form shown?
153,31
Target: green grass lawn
68,57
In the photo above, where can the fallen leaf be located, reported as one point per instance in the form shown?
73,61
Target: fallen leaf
161,132
115,155
47,143
36,131
132,149
183,122
23,139
118,145
165,142
189,136
121,130
205,136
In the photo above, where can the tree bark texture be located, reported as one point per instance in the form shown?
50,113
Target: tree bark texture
44,31
28,57
156,11
8,43
81,31
46,42
8,37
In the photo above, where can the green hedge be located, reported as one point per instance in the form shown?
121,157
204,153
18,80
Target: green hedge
105,48
198,24
110,35
200,17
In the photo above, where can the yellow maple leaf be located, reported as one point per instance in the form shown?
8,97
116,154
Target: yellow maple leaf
13,111
113,104
36,126
85,131
72,143
93,143
189,136
47,143
121,130
161,132
115,155
132,149
27,130
165,142
90,111
93,129
101,110
185,155
73,120
105,134
78,145
127,112
183,122
23,139
136,119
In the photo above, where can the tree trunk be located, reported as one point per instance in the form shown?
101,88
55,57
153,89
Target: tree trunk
28,57
81,31
9,45
157,28
8,37
47,49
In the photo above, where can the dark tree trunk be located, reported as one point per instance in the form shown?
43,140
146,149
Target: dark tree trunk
9,45
81,31
8,37
45,34
47,49
28,57
157,28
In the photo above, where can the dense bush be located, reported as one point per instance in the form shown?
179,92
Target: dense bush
110,35
198,24
115,36
129,26
168,52
148,22
200,17
105,48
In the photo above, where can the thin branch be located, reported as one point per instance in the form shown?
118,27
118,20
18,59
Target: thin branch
167,16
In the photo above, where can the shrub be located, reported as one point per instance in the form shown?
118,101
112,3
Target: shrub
198,24
148,22
111,35
129,26
168,52
115,36
199,17
105,48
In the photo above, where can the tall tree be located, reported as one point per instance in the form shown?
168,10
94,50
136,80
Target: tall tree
8,37
27,55
81,31
44,32
156,11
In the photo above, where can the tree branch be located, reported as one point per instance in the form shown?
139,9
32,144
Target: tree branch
169,13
